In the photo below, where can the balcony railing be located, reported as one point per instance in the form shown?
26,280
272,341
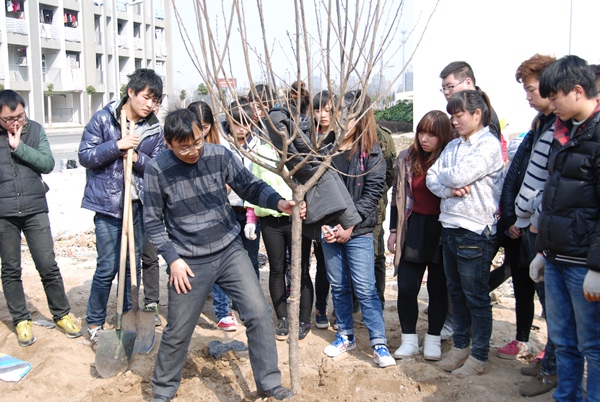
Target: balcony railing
2,75
14,25
123,41
48,31
72,34
51,75
138,43
98,38
18,73
60,115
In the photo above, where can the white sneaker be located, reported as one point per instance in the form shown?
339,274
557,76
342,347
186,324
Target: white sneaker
382,357
447,331
341,345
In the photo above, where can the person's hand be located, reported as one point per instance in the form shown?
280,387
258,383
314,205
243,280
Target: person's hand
533,229
329,233
128,142
391,245
460,192
536,268
14,137
250,231
514,232
343,235
286,207
591,286
179,276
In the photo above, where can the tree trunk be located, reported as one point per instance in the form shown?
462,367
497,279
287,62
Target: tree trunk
294,310
90,106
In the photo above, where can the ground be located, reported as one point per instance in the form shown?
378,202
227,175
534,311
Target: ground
63,369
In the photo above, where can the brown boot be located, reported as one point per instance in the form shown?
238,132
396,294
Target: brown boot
473,367
539,384
454,359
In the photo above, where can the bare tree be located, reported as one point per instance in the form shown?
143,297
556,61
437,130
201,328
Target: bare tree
353,41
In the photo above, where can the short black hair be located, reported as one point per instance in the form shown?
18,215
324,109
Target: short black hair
323,98
460,69
180,125
241,114
145,77
10,99
264,94
564,74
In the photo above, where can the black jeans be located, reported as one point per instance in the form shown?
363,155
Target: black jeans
38,235
410,275
321,281
150,273
277,237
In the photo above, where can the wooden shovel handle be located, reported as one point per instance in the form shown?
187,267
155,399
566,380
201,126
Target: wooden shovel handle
127,168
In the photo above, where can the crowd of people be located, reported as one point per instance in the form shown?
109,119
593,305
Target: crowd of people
204,191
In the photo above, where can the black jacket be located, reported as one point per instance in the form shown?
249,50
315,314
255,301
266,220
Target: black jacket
516,171
569,224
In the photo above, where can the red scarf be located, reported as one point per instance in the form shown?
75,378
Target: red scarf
563,134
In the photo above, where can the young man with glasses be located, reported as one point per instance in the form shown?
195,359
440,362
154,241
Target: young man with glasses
190,220
101,151
24,155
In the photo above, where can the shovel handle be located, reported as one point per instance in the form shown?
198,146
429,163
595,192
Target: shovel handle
131,243
127,168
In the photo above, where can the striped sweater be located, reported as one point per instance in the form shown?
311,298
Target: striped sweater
530,194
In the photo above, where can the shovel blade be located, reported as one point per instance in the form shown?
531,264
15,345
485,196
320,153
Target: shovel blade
115,348
142,323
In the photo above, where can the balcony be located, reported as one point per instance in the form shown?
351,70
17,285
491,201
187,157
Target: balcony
16,26
48,31
98,38
99,77
72,34
138,43
51,75
2,74
18,73
123,42
160,48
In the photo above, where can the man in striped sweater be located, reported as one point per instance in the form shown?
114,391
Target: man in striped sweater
189,219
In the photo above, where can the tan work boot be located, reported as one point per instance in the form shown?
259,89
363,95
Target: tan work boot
454,359
473,366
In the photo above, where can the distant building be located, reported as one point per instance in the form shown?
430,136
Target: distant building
71,44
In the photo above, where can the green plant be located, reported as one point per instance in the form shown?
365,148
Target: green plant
182,95
202,89
401,111
90,90
123,90
1,87
50,90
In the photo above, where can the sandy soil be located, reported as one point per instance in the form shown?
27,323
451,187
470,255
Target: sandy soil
63,369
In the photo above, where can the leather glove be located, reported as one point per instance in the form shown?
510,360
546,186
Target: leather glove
536,268
250,231
591,286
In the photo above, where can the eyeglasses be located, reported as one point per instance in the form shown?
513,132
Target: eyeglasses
196,147
12,120
449,88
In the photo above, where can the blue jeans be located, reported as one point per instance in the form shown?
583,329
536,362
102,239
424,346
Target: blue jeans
108,246
574,325
232,270
354,261
36,229
467,260
221,303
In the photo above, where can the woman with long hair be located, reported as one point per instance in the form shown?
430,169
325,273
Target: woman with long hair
349,252
468,178
415,236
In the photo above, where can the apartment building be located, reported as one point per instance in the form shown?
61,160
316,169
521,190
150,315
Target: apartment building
68,58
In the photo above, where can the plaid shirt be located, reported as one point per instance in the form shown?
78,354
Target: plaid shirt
186,210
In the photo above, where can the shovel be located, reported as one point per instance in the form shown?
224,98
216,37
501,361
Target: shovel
142,322
115,347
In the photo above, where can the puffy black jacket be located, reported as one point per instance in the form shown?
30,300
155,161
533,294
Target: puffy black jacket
569,224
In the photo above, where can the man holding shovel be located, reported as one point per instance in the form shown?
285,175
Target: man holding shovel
101,151
188,218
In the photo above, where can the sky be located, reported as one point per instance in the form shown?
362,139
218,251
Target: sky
494,37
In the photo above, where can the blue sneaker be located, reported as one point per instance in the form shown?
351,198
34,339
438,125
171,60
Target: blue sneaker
382,357
321,320
341,345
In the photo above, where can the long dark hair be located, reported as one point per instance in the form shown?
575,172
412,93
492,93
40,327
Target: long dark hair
438,124
205,115
365,129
